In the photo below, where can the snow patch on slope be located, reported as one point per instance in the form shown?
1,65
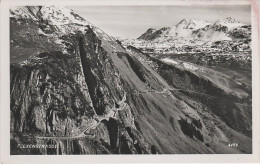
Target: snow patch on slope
180,64
60,15
22,13
168,60
230,23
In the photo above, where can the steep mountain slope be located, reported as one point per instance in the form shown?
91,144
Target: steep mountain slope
77,88
149,34
227,94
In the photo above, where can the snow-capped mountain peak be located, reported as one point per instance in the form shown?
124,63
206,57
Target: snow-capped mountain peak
151,29
184,21
192,24
56,15
229,22
24,12
196,33
61,15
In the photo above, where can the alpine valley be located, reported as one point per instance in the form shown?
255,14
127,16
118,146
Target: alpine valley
178,90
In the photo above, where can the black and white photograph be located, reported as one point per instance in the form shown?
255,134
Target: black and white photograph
182,86
130,79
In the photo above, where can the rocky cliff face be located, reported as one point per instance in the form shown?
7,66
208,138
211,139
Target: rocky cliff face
75,87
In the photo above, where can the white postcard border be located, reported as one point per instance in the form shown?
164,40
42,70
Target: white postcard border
5,85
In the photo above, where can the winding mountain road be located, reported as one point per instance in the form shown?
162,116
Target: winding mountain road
95,122
165,90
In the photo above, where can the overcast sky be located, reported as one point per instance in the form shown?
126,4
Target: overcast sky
132,21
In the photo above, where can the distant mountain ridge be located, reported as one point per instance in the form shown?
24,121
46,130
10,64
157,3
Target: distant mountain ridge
194,29
195,36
